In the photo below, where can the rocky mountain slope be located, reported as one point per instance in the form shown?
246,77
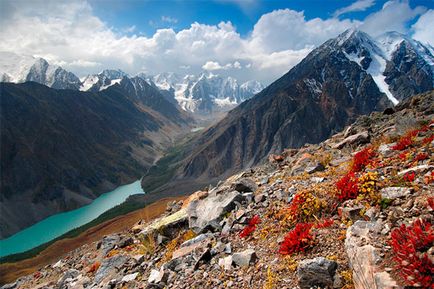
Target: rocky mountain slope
354,211
347,76
62,148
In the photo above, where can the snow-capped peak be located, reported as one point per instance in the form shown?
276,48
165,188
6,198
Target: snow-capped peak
20,68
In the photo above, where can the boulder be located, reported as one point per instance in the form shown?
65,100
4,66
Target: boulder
245,185
363,256
69,275
314,167
317,272
359,138
110,267
226,262
129,277
386,150
158,276
395,192
166,225
211,209
243,259
108,243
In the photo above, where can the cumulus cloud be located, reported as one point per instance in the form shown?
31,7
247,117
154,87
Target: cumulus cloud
360,5
423,28
69,33
394,16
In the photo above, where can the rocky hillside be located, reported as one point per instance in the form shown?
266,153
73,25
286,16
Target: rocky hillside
354,211
60,149
348,76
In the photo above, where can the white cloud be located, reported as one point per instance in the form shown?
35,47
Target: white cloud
214,65
423,28
359,5
68,33
169,19
394,16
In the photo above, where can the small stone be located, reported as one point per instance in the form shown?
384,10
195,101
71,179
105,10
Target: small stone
260,198
129,277
243,259
158,276
316,167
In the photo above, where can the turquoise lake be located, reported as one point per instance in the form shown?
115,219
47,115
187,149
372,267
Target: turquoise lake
59,224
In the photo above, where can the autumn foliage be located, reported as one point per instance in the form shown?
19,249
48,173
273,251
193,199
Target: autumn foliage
362,159
251,227
410,245
347,187
297,240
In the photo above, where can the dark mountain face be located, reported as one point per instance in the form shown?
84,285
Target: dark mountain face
62,148
333,85
407,72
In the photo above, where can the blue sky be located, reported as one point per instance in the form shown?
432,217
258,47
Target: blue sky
247,39
148,16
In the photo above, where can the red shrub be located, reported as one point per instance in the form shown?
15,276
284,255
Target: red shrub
347,187
297,240
296,202
362,159
409,177
403,143
421,157
251,227
431,202
410,245
403,156
428,139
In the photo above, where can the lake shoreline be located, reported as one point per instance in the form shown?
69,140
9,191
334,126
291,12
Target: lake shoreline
9,272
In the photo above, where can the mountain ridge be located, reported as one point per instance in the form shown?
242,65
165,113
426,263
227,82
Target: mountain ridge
319,96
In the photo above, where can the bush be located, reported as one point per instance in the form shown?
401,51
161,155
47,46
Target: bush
251,227
362,159
348,187
410,245
304,206
297,240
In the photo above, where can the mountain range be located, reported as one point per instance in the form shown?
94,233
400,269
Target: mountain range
202,94
350,75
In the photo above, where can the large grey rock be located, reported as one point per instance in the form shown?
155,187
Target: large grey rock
211,209
245,185
109,267
395,192
67,277
360,138
243,259
363,256
108,243
317,272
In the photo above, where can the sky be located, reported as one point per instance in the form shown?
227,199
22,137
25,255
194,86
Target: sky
247,39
